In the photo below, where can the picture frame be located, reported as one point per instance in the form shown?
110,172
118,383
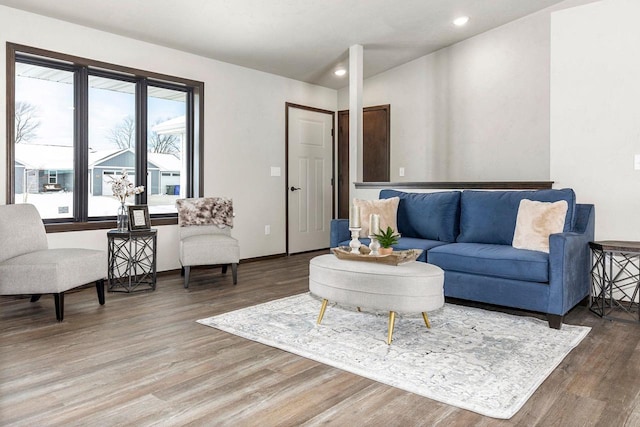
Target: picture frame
139,217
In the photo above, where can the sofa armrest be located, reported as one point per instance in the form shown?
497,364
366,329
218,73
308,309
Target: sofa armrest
339,231
570,263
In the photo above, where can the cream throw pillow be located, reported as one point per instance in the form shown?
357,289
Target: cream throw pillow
536,221
386,208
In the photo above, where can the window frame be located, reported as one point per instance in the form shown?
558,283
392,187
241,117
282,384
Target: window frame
82,68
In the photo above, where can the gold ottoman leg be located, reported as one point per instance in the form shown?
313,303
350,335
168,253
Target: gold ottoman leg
426,319
322,309
392,319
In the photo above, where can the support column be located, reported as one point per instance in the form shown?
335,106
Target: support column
356,54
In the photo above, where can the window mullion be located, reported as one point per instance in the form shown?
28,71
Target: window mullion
189,148
141,139
81,144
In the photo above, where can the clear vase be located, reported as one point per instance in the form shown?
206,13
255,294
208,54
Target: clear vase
122,219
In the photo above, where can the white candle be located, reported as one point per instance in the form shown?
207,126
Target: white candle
354,217
374,224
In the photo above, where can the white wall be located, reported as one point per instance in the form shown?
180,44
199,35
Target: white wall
244,126
595,111
475,111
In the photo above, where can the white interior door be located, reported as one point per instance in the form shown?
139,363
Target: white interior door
310,171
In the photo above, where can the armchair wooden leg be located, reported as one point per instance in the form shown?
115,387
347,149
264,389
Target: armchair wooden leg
35,297
187,270
224,269
234,271
100,290
59,300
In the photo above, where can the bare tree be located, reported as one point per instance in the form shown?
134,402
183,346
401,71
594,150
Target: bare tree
27,122
163,143
123,135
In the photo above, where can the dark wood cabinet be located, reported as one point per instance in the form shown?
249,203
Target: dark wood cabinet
376,151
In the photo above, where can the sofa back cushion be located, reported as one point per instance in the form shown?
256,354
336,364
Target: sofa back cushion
432,216
490,216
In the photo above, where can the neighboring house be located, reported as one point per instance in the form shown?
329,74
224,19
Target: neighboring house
175,126
168,167
38,165
163,171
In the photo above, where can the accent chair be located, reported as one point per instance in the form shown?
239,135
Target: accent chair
28,266
205,235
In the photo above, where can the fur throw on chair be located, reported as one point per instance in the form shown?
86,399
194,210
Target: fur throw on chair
205,211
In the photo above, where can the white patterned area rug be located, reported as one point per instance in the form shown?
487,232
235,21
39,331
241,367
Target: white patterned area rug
479,360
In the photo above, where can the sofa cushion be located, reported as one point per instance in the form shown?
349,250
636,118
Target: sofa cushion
536,222
492,260
387,209
490,216
433,216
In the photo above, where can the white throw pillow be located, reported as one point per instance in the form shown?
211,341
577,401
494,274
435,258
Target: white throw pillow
536,221
386,208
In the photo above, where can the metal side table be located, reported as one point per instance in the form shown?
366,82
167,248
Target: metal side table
132,260
615,280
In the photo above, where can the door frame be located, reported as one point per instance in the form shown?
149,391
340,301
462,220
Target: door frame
287,105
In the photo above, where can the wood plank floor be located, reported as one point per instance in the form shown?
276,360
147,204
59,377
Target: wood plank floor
142,360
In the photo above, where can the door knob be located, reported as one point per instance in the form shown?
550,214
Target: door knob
295,188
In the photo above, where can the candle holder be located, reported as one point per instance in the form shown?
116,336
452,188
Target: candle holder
374,246
355,244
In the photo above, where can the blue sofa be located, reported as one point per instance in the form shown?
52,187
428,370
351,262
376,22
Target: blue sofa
469,233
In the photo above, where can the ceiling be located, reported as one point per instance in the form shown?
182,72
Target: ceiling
301,39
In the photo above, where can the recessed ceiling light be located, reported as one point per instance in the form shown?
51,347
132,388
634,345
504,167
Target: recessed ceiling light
340,72
460,21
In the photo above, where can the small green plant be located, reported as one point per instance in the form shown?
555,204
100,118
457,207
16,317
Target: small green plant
387,238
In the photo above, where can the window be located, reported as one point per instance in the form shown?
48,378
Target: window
166,139
43,135
78,124
112,139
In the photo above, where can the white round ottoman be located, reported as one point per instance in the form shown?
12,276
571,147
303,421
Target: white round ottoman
411,287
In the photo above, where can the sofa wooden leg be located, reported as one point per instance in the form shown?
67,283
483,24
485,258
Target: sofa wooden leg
59,300
187,271
555,321
100,290
35,297
234,272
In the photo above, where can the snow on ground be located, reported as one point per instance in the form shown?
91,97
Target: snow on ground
60,204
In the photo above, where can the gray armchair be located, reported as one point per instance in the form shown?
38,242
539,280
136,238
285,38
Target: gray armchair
205,235
28,266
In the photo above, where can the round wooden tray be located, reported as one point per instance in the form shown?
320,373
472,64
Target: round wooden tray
394,258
